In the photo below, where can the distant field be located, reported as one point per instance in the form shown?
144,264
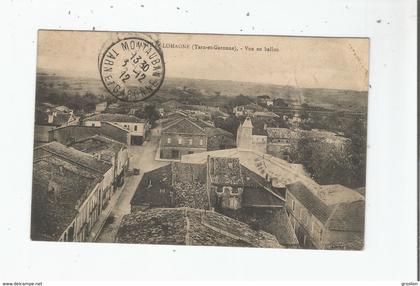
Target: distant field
340,100
327,98
70,85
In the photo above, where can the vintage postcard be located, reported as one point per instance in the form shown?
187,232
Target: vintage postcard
200,139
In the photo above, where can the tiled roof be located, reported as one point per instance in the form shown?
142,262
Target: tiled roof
150,192
117,126
188,226
272,220
203,124
171,118
257,191
282,133
114,117
218,132
71,155
184,126
225,171
157,188
52,212
259,163
190,194
348,217
310,201
98,144
265,114
334,194
62,118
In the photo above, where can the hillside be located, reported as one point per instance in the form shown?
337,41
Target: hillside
339,100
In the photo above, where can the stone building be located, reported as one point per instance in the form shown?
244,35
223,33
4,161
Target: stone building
280,141
225,183
281,198
110,151
248,137
67,192
185,135
138,128
182,137
48,117
69,134
239,193
330,218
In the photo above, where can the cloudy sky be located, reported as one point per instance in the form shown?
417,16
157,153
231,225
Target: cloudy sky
340,63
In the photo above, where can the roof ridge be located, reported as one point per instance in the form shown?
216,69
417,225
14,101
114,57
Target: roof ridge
192,122
188,240
189,120
69,170
73,161
115,125
41,146
173,123
227,233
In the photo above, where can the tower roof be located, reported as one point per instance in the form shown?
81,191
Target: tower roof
247,123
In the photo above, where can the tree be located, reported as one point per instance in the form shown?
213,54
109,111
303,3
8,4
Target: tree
231,124
150,113
357,131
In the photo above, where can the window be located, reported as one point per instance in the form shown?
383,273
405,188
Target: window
179,140
320,234
135,127
190,141
293,205
93,124
169,140
201,141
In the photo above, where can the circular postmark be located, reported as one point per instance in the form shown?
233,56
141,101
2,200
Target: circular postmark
132,69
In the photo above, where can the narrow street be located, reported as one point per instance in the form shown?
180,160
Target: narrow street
141,157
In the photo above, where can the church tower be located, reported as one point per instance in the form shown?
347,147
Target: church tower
244,134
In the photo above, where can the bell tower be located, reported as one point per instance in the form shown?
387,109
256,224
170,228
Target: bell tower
244,136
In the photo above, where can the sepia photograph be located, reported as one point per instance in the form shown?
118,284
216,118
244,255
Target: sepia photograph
200,139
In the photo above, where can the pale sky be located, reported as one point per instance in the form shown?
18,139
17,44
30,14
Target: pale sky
340,63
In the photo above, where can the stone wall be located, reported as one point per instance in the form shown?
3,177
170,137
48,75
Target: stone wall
175,153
